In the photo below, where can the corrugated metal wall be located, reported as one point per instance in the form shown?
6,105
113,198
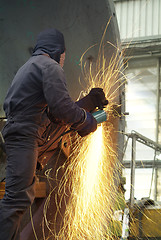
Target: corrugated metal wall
138,18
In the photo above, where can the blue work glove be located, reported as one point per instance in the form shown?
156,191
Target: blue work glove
88,126
95,98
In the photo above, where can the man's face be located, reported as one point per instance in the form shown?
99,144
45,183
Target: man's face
62,59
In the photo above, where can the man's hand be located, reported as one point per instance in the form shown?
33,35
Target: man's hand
95,98
89,125
98,97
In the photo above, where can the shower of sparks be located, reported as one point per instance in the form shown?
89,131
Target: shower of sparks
91,173
92,188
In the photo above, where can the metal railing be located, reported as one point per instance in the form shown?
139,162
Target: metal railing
137,137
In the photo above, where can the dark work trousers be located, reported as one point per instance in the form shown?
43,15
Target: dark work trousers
22,149
22,155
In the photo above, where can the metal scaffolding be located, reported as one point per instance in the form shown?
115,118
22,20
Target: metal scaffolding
135,136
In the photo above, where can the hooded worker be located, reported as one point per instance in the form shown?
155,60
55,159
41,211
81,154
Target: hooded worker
37,96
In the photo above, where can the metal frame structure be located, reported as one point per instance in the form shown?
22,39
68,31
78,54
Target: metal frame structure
135,136
146,51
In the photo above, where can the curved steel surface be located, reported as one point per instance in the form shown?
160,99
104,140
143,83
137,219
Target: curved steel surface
82,23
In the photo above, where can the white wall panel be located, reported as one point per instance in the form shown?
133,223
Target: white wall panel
143,19
138,18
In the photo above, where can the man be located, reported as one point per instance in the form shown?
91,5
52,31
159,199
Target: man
37,97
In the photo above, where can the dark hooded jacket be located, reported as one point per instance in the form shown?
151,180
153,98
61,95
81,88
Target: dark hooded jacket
50,41
39,85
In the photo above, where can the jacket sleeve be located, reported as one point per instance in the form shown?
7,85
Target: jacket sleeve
61,106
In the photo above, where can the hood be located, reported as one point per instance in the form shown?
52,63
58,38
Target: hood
50,41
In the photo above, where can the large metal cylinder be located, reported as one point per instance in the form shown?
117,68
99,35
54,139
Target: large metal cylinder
82,23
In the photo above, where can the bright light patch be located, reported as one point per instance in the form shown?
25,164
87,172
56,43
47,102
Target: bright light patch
93,159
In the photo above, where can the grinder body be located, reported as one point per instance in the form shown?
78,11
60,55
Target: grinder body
100,116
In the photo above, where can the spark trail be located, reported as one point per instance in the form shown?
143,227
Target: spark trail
92,170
